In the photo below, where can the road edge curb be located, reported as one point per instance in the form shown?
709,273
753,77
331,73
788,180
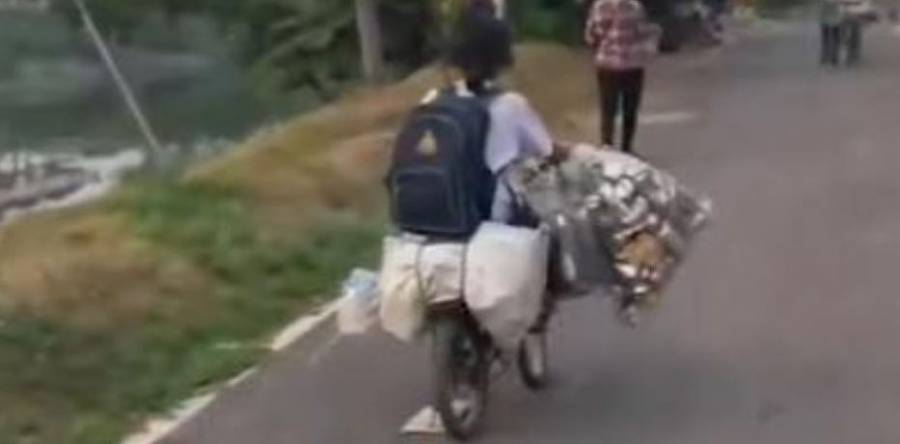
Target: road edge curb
157,428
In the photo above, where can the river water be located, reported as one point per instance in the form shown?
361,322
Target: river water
217,102
67,103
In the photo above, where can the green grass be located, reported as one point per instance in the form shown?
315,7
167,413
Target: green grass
65,384
214,227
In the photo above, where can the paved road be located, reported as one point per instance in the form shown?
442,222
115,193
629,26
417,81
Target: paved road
783,327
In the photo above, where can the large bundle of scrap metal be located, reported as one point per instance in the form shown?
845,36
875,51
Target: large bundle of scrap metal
640,217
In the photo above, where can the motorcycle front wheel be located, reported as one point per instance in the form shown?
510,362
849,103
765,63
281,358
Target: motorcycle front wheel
533,361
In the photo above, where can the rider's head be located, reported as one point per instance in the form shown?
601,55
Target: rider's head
483,48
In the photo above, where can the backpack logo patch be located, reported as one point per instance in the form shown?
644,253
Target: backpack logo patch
428,145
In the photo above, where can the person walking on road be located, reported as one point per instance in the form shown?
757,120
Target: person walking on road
831,19
854,15
854,40
623,40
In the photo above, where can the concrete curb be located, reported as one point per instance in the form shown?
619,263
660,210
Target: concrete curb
156,429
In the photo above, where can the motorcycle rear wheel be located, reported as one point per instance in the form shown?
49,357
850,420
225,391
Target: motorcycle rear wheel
461,376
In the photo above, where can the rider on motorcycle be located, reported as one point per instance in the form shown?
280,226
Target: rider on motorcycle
482,52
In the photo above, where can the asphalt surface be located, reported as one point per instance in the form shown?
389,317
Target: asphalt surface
782,327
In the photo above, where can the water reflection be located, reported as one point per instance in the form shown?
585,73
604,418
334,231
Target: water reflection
66,135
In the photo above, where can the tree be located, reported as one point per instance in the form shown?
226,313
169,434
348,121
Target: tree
543,20
370,39
304,44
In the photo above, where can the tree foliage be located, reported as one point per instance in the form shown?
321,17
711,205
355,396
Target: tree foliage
305,43
556,20
313,44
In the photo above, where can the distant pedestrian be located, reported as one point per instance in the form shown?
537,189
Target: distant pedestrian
623,41
831,19
853,28
855,15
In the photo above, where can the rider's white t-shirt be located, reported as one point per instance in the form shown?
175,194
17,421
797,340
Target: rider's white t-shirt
516,131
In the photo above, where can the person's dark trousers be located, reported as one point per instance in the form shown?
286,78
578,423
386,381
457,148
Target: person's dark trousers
854,43
620,90
831,44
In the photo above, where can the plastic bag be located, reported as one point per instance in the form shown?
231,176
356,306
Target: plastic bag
358,308
505,281
642,219
630,196
579,266
414,274
402,311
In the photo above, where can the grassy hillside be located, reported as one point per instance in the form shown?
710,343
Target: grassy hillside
117,310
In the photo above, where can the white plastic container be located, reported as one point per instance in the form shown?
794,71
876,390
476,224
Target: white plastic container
358,308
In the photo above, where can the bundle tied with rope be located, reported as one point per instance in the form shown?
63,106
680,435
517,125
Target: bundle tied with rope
637,217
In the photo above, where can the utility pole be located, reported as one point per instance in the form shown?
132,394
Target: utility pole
370,39
154,148
500,6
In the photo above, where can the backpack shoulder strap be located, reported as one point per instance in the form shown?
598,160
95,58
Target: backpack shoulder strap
430,96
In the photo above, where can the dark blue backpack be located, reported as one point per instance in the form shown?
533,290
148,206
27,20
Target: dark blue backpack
439,183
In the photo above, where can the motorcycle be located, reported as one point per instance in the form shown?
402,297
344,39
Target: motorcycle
463,357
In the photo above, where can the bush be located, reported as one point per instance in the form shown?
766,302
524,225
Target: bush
553,20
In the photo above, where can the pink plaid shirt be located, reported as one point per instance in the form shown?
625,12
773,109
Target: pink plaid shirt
620,34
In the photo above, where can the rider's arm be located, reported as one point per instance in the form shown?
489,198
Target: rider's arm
516,132
534,138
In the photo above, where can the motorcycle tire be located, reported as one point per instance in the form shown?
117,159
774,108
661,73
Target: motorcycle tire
533,361
461,376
